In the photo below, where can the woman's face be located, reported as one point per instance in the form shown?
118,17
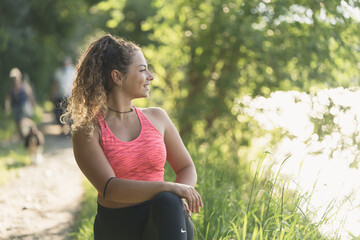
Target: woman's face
136,82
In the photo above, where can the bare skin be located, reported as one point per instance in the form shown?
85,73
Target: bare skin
126,127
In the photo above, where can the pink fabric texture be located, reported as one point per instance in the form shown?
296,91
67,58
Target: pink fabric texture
140,159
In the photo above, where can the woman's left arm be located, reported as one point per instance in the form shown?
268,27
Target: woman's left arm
177,154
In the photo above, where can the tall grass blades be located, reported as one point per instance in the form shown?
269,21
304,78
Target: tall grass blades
258,206
239,204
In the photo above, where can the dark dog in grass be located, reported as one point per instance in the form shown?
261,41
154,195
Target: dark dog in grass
33,140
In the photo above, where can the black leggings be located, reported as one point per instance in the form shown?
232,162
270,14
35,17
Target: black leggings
161,218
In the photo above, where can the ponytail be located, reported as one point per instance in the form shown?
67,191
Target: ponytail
93,81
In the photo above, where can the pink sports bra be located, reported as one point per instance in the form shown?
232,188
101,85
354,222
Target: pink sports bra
140,159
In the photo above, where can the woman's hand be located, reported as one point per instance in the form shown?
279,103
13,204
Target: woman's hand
189,193
186,206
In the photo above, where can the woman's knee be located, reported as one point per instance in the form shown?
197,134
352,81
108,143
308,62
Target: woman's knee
167,199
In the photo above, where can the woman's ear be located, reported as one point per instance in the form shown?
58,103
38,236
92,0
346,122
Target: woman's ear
117,77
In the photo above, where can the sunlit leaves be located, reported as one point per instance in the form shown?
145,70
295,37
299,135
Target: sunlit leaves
114,7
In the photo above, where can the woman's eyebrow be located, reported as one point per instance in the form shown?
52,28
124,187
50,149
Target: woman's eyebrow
142,65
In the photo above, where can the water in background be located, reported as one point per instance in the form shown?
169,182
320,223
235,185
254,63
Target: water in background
321,133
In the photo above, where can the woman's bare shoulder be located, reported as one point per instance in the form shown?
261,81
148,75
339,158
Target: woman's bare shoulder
155,112
158,117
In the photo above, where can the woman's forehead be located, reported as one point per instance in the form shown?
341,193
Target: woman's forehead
139,58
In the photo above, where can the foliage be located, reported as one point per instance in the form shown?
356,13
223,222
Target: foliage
36,35
321,132
327,121
238,203
210,52
7,126
205,55
125,18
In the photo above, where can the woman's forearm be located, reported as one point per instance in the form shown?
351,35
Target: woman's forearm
133,191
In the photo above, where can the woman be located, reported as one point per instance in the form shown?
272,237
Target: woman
122,149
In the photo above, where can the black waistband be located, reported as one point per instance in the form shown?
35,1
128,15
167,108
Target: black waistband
138,205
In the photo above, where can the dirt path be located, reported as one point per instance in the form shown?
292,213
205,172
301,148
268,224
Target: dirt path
41,202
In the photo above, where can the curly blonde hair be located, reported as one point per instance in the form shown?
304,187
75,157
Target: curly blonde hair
93,81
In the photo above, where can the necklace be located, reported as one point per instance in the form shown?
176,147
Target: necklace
131,109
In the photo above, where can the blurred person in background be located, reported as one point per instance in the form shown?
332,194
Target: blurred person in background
20,100
61,87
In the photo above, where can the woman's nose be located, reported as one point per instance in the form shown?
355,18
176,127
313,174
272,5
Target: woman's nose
150,76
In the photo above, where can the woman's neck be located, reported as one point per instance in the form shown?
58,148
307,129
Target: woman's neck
119,103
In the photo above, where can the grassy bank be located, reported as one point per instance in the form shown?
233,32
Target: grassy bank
7,126
83,228
240,202
12,157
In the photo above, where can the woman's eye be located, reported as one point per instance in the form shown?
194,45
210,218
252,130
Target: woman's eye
143,70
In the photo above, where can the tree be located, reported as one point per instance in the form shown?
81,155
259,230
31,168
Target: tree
215,51
35,35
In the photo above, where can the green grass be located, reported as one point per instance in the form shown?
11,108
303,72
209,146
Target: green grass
83,229
12,157
239,203
242,204
7,126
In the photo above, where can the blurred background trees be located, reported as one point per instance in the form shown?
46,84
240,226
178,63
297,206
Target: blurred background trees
35,36
205,54
215,51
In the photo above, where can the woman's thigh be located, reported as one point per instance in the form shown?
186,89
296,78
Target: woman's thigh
121,223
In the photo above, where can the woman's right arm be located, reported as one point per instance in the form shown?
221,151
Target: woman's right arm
93,163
